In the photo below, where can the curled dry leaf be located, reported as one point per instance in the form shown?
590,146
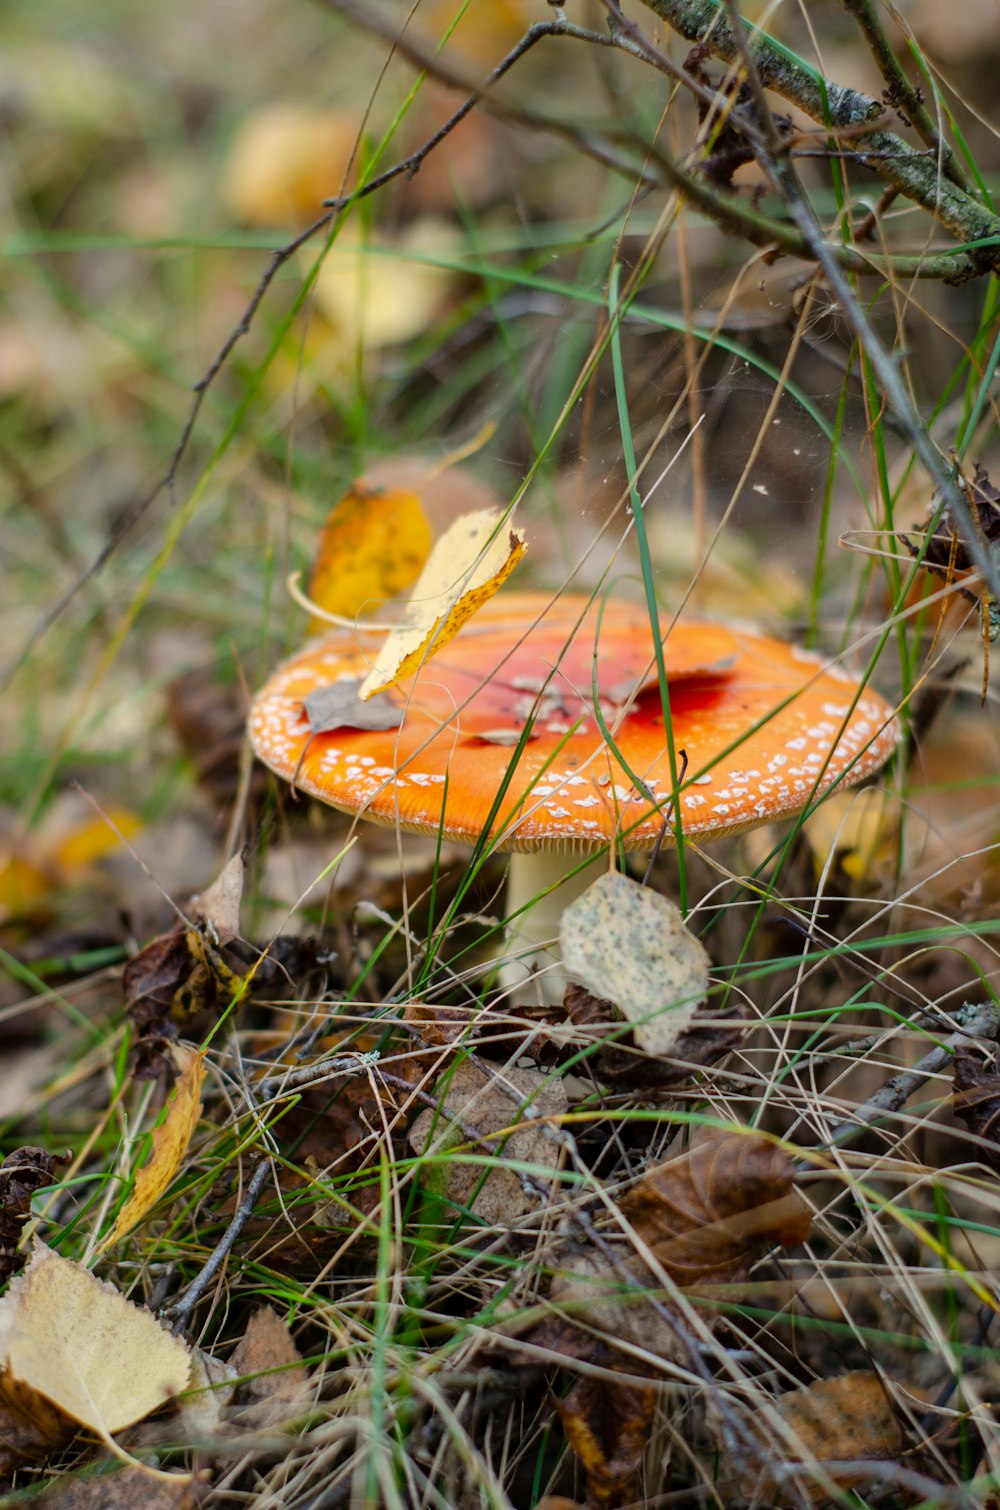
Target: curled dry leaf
977,1102
76,1342
468,564
607,1425
22,1173
628,945
483,1106
842,1428
374,545
170,1142
703,1217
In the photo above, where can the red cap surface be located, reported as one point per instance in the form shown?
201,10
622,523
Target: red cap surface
766,727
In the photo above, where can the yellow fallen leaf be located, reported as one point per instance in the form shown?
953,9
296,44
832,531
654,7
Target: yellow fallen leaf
76,1341
93,837
374,545
170,1141
467,565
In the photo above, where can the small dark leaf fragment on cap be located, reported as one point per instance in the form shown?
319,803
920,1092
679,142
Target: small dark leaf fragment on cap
338,706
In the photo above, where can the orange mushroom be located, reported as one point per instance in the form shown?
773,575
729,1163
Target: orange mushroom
766,728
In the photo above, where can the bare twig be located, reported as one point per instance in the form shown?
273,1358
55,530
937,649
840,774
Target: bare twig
976,1020
916,176
773,159
181,1312
900,93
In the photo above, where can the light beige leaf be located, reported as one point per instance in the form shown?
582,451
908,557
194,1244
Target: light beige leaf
628,945
219,904
276,1386
470,561
170,1141
76,1341
489,1104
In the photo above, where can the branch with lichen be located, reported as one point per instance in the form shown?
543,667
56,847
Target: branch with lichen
915,174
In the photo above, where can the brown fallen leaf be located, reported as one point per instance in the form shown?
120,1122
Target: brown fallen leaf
74,1340
628,945
29,1437
476,1100
977,1102
703,1216
468,564
607,1425
844,1427
708,1039
272,1384
22,1173
218,906
120,1489
170,1140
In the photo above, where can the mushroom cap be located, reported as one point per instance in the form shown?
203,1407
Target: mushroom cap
767,728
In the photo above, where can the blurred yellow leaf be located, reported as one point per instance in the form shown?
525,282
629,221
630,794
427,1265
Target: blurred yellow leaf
377,294
466,567
77,1342
858,827
93,837
285,160
170,1141
373,547
23,886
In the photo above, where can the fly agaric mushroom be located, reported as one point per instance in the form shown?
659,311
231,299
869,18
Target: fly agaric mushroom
767,728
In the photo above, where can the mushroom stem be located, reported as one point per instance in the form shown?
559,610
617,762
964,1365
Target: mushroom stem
538,892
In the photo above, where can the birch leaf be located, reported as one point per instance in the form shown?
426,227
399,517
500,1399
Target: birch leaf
76,1341
468,564
170,1141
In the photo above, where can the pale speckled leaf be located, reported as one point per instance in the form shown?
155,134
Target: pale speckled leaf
338,706
628,945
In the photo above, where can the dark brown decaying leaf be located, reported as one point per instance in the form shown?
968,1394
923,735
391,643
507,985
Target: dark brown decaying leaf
840,1426
703,1217
607,1425
618,1056
338,706
122,1489
22,1173
28,1437
977,1102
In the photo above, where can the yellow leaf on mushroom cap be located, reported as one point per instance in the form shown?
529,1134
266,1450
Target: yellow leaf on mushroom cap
466,567
75,1340
374,545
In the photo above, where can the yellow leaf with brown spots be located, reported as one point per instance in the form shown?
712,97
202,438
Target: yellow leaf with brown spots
468,564
170,1142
